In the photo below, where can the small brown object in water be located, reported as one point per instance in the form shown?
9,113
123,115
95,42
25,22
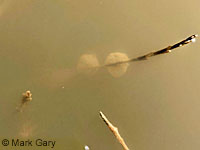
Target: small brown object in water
27,96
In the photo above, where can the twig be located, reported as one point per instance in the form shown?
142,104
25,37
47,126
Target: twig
114,131
162,51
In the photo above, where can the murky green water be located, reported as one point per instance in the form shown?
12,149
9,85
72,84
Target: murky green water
155,104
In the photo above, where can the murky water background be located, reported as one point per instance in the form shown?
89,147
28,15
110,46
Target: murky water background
155,104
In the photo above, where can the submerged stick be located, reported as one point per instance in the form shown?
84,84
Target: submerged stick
114,131
162,51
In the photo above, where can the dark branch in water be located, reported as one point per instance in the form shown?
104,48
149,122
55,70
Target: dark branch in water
162,51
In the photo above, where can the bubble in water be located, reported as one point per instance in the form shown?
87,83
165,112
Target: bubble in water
88,64
119,69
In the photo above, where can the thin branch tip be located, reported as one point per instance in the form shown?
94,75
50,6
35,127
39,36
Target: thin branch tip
114,131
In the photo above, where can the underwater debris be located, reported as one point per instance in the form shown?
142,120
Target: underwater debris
88,64
117,63
26,97
115,68
190,39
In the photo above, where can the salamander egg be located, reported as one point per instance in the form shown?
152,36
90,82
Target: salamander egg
88,64
117,70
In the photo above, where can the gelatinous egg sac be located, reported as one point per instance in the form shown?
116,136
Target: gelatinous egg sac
117,70
88,64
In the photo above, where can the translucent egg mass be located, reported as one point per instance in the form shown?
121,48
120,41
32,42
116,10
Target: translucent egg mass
117,70
88,64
